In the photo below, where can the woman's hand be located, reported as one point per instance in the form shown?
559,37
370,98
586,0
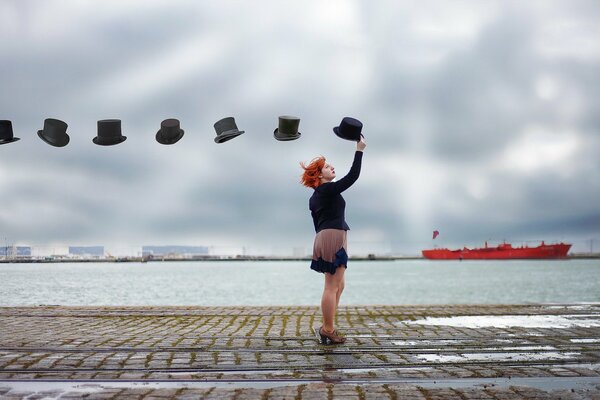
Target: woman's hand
360,145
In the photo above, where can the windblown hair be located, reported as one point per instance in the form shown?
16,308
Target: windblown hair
310,177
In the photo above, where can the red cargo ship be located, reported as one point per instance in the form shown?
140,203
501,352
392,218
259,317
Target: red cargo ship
504,251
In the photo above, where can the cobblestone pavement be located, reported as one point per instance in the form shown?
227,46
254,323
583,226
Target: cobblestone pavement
391,352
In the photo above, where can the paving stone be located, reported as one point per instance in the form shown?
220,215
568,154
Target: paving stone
253,346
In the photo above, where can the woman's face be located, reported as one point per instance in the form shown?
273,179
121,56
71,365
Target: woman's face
328,172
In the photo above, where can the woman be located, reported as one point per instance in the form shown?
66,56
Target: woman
330,247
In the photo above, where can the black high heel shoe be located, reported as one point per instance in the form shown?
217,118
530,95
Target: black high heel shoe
330,338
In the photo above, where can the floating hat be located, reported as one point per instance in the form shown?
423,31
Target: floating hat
109,132
288,128
6,132
54,132
349,129
226,129
169,132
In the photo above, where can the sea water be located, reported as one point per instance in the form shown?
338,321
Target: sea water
294,283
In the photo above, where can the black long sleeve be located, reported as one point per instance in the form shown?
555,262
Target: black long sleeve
346,181
327,205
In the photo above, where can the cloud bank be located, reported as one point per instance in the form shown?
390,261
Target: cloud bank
482,121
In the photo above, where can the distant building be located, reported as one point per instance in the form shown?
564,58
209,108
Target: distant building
15,251
174,251
86,251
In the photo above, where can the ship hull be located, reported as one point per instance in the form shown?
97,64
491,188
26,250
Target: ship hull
502,252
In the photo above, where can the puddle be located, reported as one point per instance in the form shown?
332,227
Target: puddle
508,321
495,357
424,342
595,367
572,307
585,340
56,389
524,348
367,336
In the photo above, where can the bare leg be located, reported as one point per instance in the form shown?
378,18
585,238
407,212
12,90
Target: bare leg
340,287
330,298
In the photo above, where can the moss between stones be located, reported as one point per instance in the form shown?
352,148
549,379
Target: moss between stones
382,357
230,323
349,320
269,326
390,392
30,363
424,392
361,393
266,394
285,321
300,389
256,324
298,325
241,325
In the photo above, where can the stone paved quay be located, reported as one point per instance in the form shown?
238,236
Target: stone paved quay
392,352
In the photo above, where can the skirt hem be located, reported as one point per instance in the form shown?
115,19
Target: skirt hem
320,265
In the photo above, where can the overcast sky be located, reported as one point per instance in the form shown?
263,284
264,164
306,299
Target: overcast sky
482,121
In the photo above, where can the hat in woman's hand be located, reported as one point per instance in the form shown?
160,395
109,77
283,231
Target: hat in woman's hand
226,129
6,132
54,132
288,128
349,129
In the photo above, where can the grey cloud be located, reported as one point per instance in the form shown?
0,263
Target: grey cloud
462,109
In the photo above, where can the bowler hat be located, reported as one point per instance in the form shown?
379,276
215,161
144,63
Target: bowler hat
288,128
349,129
226,129
169,132
109,132
54,132
6,132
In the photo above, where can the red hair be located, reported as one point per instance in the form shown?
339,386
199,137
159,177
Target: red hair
310,177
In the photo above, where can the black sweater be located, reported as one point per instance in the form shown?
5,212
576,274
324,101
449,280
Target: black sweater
327,205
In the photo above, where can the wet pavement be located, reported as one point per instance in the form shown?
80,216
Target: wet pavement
391,352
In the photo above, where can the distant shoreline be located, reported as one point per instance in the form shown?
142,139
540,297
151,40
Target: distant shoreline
50,260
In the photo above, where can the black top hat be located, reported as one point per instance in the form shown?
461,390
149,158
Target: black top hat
54,132
226,129
169,132
349,129
288,128
109,132
6,132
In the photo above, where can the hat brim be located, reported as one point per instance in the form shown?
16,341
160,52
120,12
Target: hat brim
61,143
4,141
174,140
336,130
108,142
223,137
285,138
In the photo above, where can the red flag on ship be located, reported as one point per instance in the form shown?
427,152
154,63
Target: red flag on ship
435,234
